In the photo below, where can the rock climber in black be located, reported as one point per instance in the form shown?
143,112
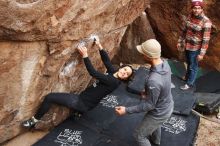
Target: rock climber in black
91,96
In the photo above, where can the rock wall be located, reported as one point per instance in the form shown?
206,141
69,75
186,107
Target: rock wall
38,54
136,33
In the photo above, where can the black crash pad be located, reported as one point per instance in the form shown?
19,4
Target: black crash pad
109,141
73,133
207,102
69,133
180,130
104,114
184,101
137,84
209,82
101,127
95,124
124,126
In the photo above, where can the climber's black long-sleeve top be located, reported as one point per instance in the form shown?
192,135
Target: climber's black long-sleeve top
105,84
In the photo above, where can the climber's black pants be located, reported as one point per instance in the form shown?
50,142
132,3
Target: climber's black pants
65,99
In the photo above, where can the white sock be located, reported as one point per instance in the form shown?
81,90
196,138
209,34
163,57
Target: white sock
34,119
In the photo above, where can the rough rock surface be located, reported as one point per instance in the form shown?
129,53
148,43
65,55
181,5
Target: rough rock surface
38,55
136,33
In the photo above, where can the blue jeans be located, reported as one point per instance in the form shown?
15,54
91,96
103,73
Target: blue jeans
149,131
192,66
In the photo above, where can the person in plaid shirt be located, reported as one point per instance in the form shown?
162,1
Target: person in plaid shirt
194,41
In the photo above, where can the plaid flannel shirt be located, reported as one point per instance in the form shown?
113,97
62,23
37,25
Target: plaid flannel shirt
195,34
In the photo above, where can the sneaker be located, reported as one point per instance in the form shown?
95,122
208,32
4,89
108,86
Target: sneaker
29,123
184,87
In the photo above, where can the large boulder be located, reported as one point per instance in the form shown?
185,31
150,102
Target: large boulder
136,33
38,53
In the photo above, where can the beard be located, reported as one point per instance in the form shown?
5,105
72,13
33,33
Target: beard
196,14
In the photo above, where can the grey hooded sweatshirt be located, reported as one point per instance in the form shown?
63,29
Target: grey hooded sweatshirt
159,100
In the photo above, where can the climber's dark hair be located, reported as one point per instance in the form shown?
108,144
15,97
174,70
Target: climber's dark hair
132,69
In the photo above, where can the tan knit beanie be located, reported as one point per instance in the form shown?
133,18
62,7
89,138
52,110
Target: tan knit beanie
150,48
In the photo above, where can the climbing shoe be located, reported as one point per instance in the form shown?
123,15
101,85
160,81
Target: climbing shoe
29,123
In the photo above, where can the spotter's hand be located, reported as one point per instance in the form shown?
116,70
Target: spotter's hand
83,51
120,110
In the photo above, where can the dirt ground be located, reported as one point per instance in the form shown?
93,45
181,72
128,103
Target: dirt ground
26,139
208,134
